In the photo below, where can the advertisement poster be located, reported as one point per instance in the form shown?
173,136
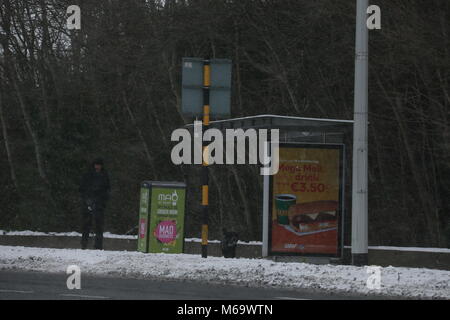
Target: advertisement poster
305,200
143,220
166,232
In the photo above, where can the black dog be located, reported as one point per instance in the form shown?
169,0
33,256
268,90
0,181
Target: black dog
229,243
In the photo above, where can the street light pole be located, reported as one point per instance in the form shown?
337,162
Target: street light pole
360,139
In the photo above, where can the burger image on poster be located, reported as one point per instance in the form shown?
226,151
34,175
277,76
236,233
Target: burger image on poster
312,217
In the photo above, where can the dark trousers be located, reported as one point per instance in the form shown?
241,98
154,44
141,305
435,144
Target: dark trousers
88,217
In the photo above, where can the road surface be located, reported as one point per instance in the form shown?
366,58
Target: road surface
26,285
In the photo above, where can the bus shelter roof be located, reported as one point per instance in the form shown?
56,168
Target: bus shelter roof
284,123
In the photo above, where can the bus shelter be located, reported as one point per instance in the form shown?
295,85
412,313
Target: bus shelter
305,203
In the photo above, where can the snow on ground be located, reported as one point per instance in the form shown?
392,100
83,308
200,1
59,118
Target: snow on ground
255,243
405,282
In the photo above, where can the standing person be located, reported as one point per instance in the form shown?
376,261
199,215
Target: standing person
94,190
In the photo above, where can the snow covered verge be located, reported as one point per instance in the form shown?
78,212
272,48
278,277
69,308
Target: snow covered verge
28,233
404,282
255,243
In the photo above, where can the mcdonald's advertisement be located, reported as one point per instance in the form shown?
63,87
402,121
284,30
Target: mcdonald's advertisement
305,200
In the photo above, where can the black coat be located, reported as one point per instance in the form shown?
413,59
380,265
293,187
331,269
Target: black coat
95,186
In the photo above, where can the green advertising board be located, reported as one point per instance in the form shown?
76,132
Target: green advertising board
161,218
143,218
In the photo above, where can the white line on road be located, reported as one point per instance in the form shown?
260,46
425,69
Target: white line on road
83,296
290,298
14,291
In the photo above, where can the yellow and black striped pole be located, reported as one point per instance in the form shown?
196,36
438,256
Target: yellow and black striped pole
205,178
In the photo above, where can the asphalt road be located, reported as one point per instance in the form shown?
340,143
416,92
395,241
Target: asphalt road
20,285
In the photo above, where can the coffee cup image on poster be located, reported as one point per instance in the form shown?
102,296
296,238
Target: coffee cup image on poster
166,227
305,200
